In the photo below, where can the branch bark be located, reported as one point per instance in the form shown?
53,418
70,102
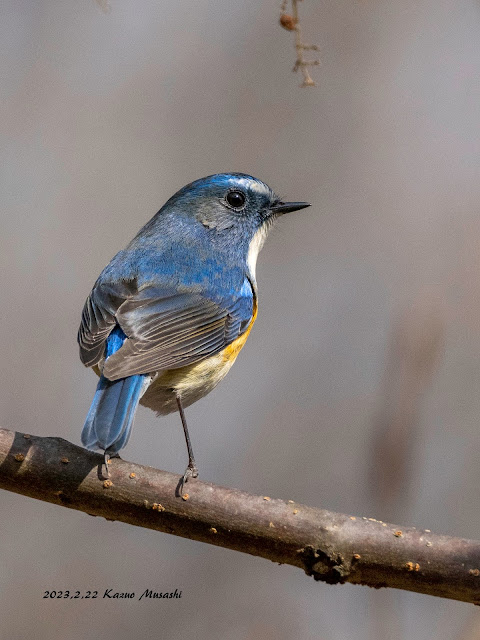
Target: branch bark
331,547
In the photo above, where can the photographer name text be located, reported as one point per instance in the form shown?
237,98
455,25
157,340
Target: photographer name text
111,594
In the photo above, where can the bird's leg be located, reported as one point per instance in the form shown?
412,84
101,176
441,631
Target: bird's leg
191,471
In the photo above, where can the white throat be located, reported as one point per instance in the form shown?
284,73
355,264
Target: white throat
256,243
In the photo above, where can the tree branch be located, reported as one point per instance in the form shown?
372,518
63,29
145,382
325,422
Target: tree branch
331,547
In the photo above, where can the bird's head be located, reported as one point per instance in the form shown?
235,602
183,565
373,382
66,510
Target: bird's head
235,208
233,200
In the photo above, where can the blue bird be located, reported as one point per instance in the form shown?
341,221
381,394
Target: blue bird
168,316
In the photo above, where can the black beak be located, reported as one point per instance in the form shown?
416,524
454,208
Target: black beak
285,207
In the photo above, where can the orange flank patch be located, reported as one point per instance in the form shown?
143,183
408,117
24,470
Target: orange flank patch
234,348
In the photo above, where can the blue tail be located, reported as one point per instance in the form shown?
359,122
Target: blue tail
110,419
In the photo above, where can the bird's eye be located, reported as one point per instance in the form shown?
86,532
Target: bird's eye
235,199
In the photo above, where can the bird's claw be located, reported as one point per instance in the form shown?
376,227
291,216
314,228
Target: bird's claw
106,459
190,472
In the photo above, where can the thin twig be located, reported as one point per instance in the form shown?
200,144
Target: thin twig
292,23
331,547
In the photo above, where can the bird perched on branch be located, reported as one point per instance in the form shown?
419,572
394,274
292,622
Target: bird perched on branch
168,316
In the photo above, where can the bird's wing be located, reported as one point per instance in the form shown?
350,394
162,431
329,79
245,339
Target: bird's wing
168,330
99,318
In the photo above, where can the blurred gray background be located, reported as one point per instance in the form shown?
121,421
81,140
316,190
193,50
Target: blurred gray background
359,387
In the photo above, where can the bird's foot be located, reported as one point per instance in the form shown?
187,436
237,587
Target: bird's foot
190,472
107,458
106,462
